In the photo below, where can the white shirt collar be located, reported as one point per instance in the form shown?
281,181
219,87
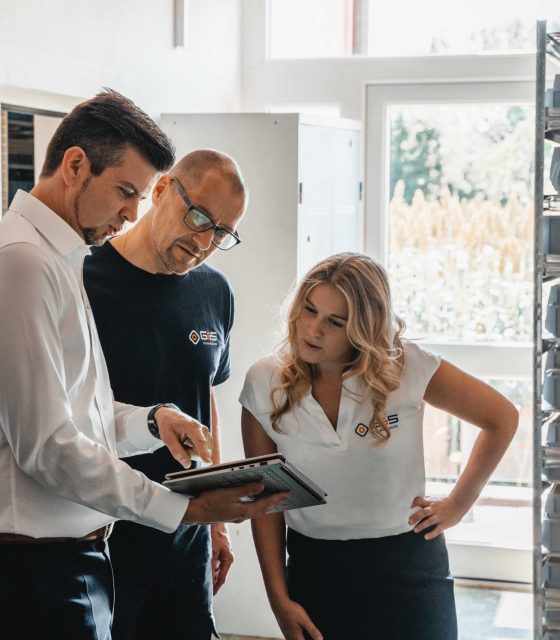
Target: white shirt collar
49,224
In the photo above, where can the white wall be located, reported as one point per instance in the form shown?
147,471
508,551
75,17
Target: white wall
54,55
74,48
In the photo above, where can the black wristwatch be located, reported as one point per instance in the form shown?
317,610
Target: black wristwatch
152,423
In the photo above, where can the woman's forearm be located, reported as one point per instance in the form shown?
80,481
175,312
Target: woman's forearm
269,534
488,450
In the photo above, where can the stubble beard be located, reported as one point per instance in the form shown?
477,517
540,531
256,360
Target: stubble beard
89,234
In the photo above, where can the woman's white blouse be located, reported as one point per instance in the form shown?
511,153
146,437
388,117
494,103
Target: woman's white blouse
370,487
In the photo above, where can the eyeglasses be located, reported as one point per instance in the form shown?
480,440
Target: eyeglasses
200,222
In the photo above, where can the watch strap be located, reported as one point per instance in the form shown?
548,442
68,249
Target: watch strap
152,422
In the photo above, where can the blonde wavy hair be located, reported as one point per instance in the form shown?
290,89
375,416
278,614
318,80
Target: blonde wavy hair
372,328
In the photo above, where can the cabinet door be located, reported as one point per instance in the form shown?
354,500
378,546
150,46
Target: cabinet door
315,211
328,216
346,191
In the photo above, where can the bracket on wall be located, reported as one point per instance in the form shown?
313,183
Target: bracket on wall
179,22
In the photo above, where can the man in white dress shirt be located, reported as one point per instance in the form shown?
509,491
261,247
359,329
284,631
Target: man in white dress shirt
61,433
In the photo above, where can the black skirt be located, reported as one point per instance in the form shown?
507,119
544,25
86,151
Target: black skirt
397,587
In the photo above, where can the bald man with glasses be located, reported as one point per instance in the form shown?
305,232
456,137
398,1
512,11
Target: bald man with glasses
164,319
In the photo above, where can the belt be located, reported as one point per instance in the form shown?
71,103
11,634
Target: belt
99,534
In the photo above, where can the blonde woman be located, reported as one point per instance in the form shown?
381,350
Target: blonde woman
343,399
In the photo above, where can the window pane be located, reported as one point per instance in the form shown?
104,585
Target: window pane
448,441
310,28
502,514
450,28
461,221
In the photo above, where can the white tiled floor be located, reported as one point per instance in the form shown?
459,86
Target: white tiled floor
491,614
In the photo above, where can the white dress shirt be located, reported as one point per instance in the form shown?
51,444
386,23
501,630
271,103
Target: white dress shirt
370,486
60,430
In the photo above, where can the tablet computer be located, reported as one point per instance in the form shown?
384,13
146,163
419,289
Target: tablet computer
273,469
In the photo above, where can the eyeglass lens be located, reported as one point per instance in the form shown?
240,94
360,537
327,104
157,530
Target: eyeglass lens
199,221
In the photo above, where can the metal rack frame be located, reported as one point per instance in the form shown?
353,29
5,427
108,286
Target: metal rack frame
546,269
537,332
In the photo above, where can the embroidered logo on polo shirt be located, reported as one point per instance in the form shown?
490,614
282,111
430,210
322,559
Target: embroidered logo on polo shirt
392,421
361,429
209,338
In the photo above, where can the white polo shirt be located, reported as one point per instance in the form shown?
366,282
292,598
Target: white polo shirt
370,487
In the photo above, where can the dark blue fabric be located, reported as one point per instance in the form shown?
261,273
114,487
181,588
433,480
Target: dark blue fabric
61,590
163,583
396,587
145,323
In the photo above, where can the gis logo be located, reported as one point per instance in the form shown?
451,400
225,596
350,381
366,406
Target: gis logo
391,421
207,337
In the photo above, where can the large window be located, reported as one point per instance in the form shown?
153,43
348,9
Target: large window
335,28
449,195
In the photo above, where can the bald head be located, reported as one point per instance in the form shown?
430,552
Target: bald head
163,240
193,167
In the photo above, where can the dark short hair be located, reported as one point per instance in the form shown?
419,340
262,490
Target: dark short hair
102,127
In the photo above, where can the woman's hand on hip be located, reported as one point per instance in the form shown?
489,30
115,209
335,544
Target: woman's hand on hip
438,513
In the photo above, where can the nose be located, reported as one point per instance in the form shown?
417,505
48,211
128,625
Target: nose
314,327
203,239
130,212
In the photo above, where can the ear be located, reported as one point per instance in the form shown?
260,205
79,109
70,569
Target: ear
75,166
162,183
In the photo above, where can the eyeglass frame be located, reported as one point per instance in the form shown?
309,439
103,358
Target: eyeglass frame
212,226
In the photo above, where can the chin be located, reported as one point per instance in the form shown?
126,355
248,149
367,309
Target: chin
93,236
181,271
178,267
99,240
309,358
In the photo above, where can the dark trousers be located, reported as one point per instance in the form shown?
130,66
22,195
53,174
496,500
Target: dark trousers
393,588
163,583
58,591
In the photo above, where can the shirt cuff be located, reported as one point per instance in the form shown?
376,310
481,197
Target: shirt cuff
166,510
137,432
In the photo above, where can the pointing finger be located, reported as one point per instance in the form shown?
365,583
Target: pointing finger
199,441
181,454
